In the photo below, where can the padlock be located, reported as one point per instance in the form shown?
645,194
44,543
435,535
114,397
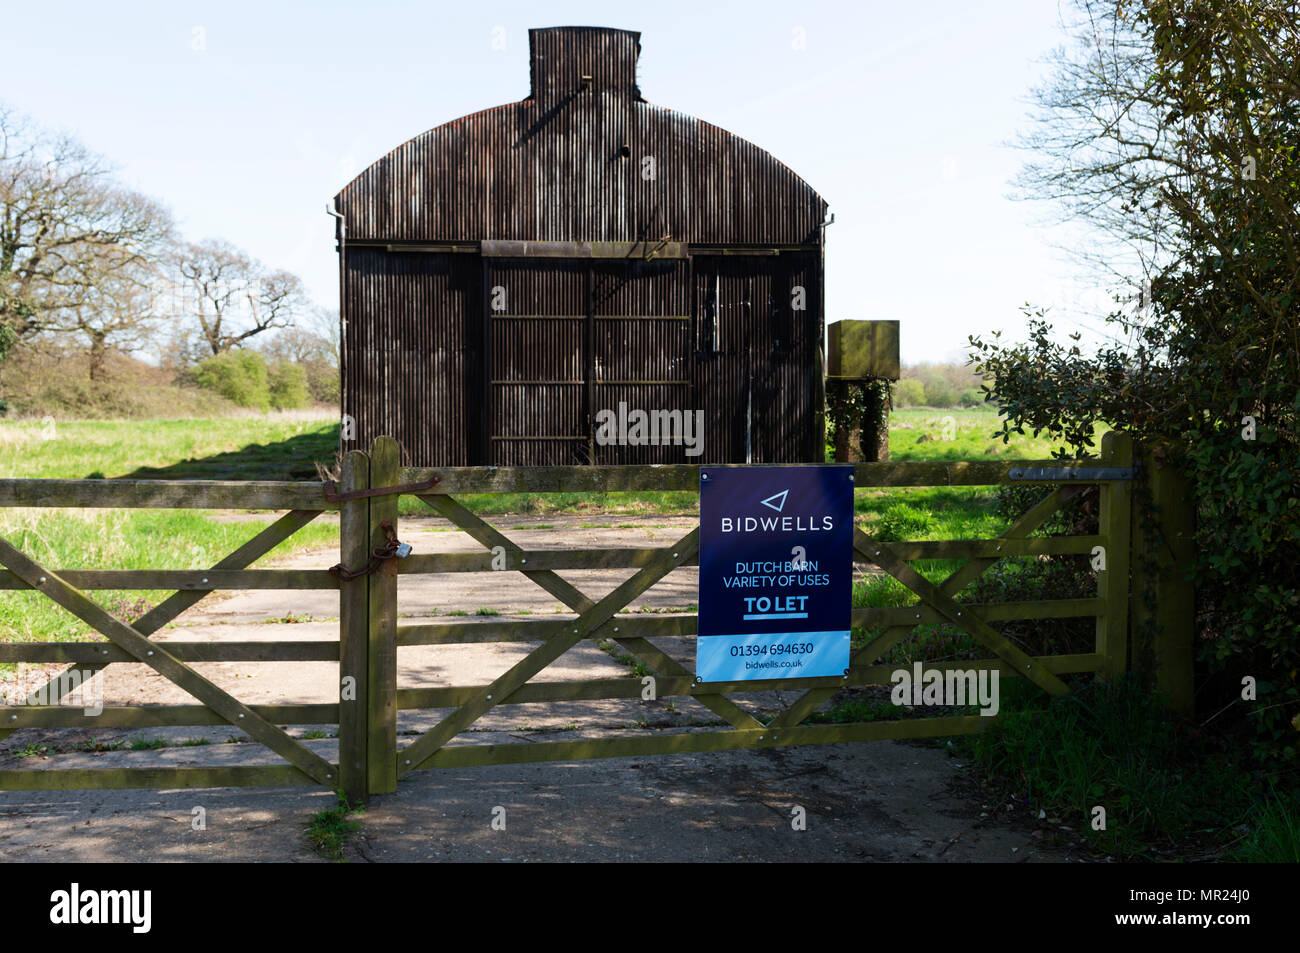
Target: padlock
403,550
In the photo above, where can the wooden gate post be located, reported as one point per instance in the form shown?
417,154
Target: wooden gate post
354,628
1113,583
1165,599
382,591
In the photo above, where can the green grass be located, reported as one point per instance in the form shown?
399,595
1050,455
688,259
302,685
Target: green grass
856,710
614,651
282,447
329,830
933,513
922,433
1117,748
1273,831
288,447
121,539
275,447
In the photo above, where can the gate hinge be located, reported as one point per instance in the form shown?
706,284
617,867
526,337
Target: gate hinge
1072,474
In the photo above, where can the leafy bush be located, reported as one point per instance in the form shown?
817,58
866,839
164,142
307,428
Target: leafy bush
942,384
1189,392
238,376
970,398
288,386
938,393
909,392
847,406
1077,516
47,379
1034,579
322,382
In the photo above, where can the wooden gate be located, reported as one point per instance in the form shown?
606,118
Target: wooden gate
600,618
132,642
371,758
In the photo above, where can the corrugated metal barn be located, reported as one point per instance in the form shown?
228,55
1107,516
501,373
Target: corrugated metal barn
507,276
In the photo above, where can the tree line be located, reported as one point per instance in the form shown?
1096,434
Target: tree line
91,266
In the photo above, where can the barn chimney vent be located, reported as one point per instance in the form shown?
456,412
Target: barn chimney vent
567,60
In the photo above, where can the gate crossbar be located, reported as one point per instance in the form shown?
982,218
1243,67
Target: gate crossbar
178,602
166,664
578,601
414,755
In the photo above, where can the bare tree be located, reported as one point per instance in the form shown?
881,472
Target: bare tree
299,345
234,297
120,311
1170,127
65,226
1153,111
325,321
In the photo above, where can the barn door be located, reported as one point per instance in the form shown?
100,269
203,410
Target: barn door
569,338
536,332
641,359
756,331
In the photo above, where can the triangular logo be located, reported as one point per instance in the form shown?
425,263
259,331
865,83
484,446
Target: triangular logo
776,501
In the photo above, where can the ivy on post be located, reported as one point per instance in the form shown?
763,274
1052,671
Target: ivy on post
858,414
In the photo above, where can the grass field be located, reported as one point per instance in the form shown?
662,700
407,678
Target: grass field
274,447
288,446
937,512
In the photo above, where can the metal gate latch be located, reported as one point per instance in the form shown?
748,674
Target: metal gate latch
393,548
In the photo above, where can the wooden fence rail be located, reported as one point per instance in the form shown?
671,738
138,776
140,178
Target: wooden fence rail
371,758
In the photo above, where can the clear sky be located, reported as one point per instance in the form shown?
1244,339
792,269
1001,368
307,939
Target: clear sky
246,118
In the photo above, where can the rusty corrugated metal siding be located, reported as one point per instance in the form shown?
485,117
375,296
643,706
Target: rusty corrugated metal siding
411,364
470,358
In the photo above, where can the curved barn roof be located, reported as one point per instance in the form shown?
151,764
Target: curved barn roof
583,158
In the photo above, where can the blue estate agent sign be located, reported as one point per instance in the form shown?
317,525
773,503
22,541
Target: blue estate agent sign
776,572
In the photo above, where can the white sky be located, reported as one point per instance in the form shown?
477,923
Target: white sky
898,114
